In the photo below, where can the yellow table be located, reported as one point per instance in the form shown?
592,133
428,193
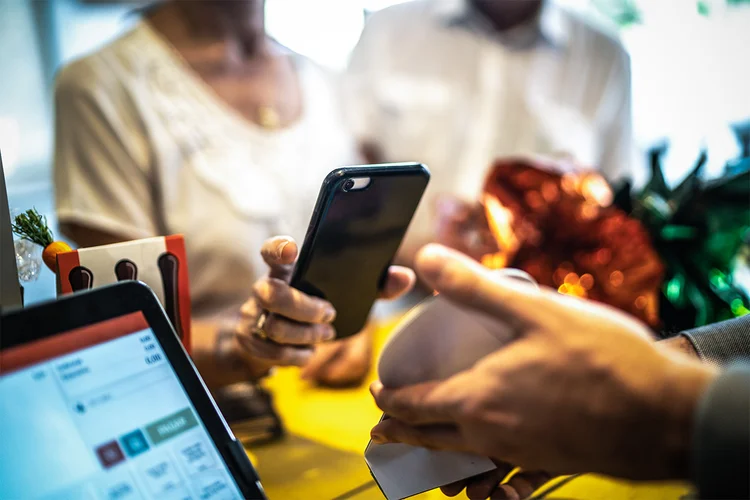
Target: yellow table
329,429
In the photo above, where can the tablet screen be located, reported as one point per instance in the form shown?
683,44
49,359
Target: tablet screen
99,413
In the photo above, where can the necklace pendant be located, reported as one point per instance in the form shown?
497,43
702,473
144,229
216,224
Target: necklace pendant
268,118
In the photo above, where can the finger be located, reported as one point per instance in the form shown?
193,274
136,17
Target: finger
342,371
483,486
505,492
467,282
527,482
400,281
274,353
502,470
434,437
276,296
324,355
249,313
343,363
419,404
453,489
283,331
279,253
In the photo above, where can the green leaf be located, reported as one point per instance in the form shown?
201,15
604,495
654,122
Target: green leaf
621,12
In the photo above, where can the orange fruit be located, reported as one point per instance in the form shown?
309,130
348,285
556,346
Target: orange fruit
49,255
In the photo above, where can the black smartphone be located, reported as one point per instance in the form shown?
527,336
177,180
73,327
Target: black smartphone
359,221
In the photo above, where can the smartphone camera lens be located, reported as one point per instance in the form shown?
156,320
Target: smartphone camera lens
348,185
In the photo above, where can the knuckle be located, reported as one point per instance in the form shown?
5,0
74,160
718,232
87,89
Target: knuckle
320,333
322,311
276,329
474,409
465,283
249,309
260,291
271,293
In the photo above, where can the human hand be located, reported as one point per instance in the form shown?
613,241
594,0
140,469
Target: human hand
489,485
463,226
523,484
343,363
580,389
295,321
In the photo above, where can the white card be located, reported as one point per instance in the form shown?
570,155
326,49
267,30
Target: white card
434,341
402,471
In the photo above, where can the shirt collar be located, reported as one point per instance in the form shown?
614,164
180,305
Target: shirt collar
550,26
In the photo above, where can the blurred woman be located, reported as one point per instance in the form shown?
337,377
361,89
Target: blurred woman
197,122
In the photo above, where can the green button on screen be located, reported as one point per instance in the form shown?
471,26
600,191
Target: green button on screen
171,426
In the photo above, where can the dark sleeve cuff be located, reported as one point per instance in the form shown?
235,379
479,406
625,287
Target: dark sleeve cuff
722,343
721,439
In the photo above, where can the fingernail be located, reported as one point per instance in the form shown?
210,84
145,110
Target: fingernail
378,439
376,387
328,335
329,315
280,249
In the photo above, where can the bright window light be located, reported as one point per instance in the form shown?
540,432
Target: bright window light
326,31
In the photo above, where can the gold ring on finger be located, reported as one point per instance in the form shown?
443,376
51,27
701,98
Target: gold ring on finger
258,330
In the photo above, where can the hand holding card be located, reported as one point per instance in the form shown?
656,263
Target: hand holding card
436,340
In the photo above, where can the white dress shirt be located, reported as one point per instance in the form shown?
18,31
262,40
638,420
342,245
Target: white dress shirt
430,81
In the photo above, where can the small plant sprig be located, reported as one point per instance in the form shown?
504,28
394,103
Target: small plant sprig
32,226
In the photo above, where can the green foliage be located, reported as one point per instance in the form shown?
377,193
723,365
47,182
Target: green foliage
621,12
32,226
701,230
625,12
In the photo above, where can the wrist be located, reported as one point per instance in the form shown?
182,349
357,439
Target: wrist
680,343
683,385
231,356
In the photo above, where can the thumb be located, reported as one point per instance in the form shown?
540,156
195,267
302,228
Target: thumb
466,282
280,253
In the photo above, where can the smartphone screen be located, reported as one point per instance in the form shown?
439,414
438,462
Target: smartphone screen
359,222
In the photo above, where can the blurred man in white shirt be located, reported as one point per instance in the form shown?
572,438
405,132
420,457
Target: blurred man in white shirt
457,83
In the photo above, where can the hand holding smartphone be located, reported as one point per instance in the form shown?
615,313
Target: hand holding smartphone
357,226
